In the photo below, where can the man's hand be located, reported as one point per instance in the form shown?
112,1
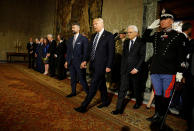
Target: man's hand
55,55
134,71
65,65
155,24
83,65
108,70
31,52
183,80
35,55
48,54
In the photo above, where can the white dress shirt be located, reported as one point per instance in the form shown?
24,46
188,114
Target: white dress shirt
100,34
133,43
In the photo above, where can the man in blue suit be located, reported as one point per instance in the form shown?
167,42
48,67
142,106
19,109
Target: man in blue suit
76,53
100,56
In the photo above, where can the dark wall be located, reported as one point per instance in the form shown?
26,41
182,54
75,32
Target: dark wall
21,19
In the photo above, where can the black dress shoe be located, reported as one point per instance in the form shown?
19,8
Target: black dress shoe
136,106
52,75
80,109
116,112
102,105
60,78
148,107
156,118
71,95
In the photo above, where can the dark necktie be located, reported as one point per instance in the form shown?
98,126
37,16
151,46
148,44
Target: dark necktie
132,43
92,55
74,40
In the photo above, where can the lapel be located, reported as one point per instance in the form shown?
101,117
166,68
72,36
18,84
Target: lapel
134,44
71,44
101,39
78,37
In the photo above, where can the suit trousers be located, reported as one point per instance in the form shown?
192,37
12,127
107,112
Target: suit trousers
98,82
52,65
125,86
76,72
31,60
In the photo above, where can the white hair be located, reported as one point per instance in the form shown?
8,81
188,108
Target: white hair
50,35
99,19
133,27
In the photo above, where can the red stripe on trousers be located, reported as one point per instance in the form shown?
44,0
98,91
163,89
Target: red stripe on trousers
168,90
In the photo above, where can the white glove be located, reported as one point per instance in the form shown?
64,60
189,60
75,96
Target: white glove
155,24
183,64
188,56
179,76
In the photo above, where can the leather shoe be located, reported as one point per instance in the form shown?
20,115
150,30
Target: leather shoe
136,106
155,118
71,95
116,112
102,105
80,109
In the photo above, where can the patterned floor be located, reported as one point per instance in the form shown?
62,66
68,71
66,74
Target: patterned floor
32,101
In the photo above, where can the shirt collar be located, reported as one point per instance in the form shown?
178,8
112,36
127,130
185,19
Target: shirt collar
134,39
167,30
100,33
76,35
185,34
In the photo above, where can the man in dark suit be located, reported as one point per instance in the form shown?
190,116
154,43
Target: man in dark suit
31,53
132,59
100,55
60,57
187,94
52,51
76,53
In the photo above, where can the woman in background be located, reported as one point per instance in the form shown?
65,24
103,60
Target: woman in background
45,55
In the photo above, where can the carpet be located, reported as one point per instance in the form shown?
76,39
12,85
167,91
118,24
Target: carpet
34,102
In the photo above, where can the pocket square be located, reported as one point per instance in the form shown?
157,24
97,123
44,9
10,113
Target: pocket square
78,43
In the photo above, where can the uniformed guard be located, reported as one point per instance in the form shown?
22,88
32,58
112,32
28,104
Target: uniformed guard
166,62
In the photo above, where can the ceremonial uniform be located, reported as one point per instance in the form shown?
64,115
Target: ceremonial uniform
166,63
167,58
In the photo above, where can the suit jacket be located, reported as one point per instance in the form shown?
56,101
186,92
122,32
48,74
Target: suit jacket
31,47
52,48
60,51
79,52
104,51
133,58
39,51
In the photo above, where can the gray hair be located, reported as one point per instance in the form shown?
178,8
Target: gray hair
133,27
50,35
99,19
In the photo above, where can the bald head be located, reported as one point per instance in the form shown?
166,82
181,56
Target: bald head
98,24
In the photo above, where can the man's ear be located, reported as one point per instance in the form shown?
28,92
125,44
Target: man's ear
172,21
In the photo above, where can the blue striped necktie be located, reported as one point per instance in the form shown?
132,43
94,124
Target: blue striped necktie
92,55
